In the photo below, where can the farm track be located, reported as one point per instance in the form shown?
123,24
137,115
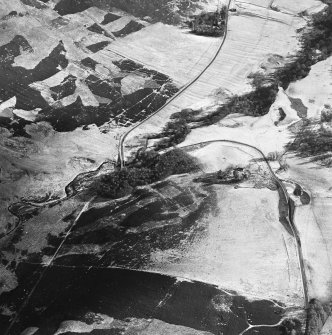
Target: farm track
182,90
291,208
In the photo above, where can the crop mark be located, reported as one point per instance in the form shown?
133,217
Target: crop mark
288,258
25,302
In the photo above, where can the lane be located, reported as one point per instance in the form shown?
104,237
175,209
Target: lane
192,82
291,210
242,51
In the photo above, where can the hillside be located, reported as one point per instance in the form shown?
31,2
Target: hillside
157,181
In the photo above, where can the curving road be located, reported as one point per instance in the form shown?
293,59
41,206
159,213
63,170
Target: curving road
184,88
291,210
289,202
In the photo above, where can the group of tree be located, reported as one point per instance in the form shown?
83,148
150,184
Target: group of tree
326,114
291,326
317,315
316,45
256,103
313,140
174,133
209,23
148,167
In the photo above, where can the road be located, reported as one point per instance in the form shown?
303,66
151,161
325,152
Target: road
291,210
184,88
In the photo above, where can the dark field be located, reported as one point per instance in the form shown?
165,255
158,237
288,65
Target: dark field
71,293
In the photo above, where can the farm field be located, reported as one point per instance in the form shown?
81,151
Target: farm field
165,167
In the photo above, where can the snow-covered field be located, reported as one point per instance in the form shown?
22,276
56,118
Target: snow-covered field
290,7
47,162
314,223
219,156
260,132
298,6
168,49
327,329
132,325
247,46
267,33
267,140
243,246
315,90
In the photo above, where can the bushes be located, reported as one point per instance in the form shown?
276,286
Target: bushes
120,183
210,24
316,46
175,131
186,114
148,168
256,103
311,140
178,130
174,162
274,156
317,314
291,326
326,115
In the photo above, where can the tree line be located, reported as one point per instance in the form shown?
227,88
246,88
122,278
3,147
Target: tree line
147,168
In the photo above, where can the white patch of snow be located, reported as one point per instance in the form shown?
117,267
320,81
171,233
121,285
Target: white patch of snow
315,90
53,80
27,115
259,132
168,49
7,106
243,51
117,24
327,329
298,6
95,13
8,6
217,156
104,322
273,117
82,90
40,39
30,331
74,326
244,248
132,83
313,223
43,164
